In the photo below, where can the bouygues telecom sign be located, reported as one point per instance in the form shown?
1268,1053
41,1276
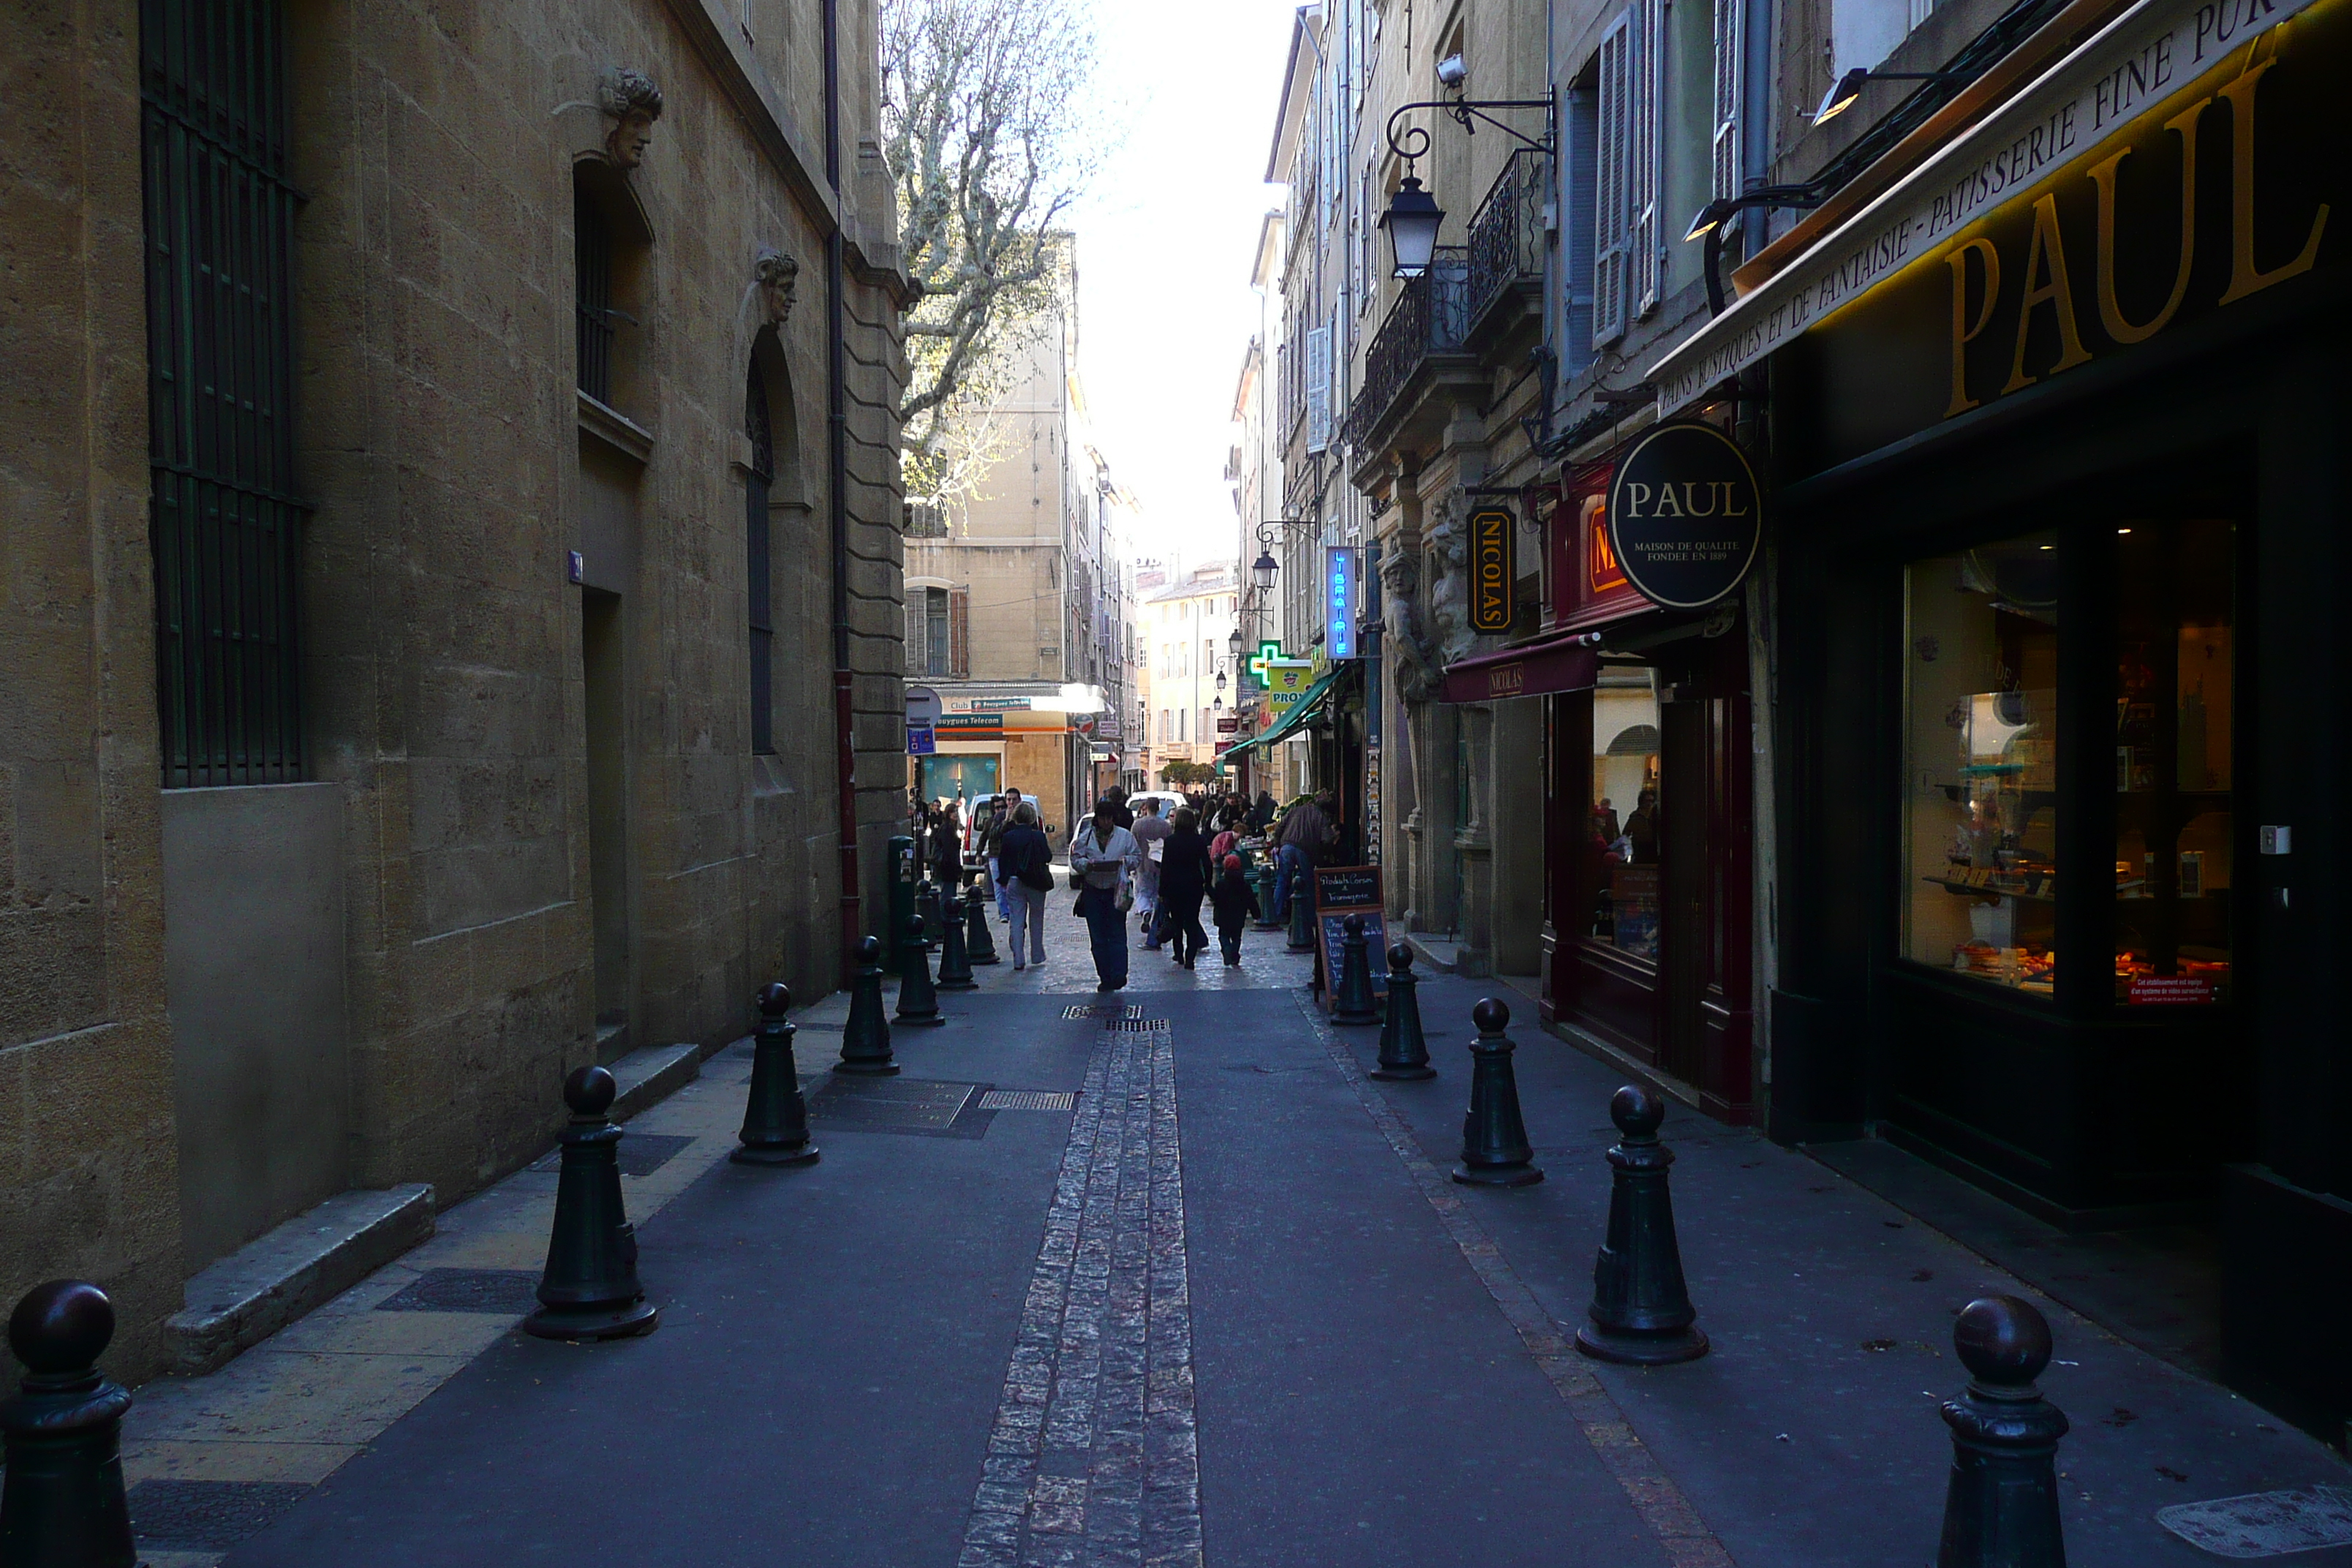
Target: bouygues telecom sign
1684,515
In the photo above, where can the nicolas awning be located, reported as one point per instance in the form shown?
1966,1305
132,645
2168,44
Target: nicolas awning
1561,662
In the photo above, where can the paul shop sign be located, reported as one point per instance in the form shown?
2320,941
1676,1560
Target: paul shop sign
1684,515
2176,162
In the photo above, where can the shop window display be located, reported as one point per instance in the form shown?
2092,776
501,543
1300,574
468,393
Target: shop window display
1624,826
1981,804
2174,659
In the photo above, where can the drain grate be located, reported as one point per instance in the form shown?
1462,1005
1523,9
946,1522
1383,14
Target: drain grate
203,1516
2264,1524
1134,1025
1104,1010
920,1108
507,1292
1027,1099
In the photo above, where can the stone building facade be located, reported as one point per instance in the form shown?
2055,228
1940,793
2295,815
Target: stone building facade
453,597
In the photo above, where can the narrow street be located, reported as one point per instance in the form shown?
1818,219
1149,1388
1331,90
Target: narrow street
1229,1309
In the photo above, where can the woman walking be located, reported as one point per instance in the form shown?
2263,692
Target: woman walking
1151,831
1103,857
1024,864
1184,883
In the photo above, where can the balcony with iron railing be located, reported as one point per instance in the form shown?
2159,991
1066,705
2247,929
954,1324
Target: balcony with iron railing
1509,244
1420,350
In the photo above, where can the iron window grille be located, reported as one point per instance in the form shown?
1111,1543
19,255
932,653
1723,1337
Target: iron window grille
592,253
226,527
758,579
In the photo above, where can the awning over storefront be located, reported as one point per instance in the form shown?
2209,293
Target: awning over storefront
1318,697
1561,662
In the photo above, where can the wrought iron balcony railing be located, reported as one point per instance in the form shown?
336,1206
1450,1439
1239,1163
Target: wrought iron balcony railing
1507,232
1431,317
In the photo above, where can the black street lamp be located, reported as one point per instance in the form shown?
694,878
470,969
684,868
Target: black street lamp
1413,217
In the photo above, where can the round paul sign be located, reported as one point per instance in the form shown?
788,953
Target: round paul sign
1685,515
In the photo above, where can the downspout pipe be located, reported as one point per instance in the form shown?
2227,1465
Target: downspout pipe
836,416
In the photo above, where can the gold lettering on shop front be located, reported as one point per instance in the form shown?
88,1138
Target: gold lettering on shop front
2045,258
2102,175
2245,278
1964,331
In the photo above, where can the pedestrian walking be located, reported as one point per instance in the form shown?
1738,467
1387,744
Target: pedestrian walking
1103,858
1151,831
1184,883
1234,903
1007,807
1024,862
1302,841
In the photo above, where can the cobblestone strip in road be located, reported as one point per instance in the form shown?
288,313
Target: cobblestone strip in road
1093,1460
1660,1503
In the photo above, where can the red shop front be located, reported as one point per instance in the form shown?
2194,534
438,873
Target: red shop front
1647,939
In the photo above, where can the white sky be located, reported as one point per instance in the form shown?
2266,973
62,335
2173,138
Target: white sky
1165,242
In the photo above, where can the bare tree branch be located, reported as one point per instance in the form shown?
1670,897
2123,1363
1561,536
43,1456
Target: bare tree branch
990,132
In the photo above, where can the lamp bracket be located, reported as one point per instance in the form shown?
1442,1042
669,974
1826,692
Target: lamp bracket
1463,112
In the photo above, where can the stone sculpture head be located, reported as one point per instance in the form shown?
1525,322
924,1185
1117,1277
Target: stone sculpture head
634,102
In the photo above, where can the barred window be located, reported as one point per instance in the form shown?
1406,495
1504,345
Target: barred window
224,525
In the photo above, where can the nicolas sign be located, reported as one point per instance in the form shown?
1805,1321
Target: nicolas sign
1684,515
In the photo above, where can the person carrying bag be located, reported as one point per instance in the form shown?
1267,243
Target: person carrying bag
1024,866
1103,860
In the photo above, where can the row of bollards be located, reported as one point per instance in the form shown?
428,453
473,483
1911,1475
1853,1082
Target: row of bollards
62,1504
2000,1503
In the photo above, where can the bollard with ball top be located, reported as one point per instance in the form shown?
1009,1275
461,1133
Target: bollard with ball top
1352,1001
1265,876
979,941
1302,915
2001,1506
775,1118
927,904
1404,1055
1641,1313
590,1289
865,1033
61,1505
919,999
955,962
1495,1151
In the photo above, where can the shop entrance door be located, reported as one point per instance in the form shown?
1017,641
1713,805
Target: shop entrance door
1682,865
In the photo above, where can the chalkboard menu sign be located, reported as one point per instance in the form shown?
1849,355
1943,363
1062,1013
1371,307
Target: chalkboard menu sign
1341,891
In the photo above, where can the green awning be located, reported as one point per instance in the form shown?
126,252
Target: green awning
1305,709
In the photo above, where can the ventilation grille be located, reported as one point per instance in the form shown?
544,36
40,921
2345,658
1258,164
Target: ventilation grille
1027,1099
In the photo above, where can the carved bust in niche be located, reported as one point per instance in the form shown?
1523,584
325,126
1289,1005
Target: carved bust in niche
634,103
779,276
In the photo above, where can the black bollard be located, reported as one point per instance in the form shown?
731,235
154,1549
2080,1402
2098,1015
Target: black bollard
62,1505
1404,1055
865,1035
919,1000
955,963
979,941
775,1118
2001,1506
1495,1151
1353,1002
1265,876
589,1290
927,904
1642,1312
1302,915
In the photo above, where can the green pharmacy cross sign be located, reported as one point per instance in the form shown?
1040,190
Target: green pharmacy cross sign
1266,651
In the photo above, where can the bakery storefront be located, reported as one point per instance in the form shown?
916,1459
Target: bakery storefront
1645,946
2059,422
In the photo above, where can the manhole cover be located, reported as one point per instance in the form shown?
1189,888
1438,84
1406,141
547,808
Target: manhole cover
923,1108
207,1515
1027,1099
508,1292
2264,1524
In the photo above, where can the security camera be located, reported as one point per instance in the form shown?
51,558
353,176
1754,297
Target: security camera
1452,70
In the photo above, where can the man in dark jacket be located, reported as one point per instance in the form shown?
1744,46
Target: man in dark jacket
1305,835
